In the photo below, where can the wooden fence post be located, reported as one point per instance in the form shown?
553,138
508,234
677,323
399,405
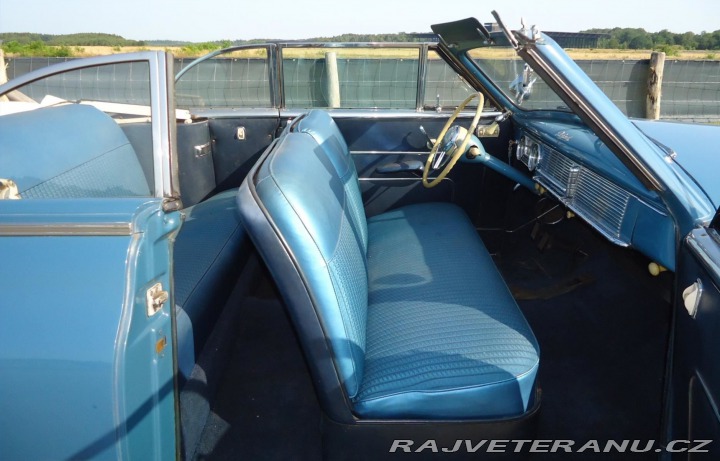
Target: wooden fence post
654,85
333,79
3,72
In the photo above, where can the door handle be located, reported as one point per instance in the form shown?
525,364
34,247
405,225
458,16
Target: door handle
691,297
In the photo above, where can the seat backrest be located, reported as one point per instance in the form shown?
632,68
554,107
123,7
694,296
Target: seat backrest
69,151
320,126
306,193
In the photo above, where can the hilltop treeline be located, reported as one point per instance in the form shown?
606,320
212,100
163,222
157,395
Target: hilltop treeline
32,44
46,45
84,39
640,39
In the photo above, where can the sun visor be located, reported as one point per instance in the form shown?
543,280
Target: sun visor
466,34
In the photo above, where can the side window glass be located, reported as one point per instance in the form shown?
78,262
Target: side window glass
234,79
359,77
84,133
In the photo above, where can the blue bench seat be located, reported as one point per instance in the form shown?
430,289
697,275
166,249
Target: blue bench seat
405,313
444,336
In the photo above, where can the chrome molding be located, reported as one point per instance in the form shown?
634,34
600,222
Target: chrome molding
219,52
600,202
66,229
421,77
355,44
242,112
163,135
705,244
396,114
418,179
387,152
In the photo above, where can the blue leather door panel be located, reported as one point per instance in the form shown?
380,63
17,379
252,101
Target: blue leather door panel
233,157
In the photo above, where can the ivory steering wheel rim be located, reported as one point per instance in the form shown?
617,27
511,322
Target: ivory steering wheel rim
458,152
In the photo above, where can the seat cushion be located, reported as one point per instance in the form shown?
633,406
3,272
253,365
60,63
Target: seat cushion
207,251
445,338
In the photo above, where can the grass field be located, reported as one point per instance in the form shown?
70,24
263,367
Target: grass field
578,54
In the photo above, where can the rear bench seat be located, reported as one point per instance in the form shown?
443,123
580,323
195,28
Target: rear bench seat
403,316
82,153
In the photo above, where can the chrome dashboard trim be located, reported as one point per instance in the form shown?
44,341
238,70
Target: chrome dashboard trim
599,201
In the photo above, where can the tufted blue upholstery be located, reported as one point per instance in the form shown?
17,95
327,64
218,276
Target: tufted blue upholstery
313,216
445,338
323,129
420,322
95,160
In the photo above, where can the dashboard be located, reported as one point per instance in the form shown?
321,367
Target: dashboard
575,167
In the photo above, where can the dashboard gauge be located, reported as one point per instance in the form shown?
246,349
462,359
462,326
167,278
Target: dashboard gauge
528,152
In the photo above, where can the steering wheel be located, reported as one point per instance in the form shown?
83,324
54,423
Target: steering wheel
450,147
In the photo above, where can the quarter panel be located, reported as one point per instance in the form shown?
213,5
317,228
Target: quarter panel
59,314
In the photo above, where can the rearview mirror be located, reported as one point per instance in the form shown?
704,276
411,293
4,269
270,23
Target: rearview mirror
523,84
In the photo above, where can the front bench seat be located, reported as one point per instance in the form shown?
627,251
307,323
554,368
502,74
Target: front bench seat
445,338
419,325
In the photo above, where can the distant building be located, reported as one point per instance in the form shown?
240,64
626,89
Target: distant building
577,39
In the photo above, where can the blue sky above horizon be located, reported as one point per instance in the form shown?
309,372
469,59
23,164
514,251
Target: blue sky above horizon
198,20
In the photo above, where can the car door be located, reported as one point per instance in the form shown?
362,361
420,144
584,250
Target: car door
695,383
86,231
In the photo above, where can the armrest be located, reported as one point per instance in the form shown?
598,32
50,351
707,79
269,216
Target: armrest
410,165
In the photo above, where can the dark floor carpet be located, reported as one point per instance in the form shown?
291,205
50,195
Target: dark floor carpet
600,319
265,408
602,324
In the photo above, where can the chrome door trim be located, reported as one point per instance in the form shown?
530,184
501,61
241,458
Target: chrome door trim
66,229
422,75
243,112
162,109
704,243
378,114
388,152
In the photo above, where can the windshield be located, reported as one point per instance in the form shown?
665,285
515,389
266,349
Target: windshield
515,78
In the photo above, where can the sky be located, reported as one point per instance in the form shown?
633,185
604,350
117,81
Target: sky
207,20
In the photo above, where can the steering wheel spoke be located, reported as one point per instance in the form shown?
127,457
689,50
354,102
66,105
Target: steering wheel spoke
450,152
